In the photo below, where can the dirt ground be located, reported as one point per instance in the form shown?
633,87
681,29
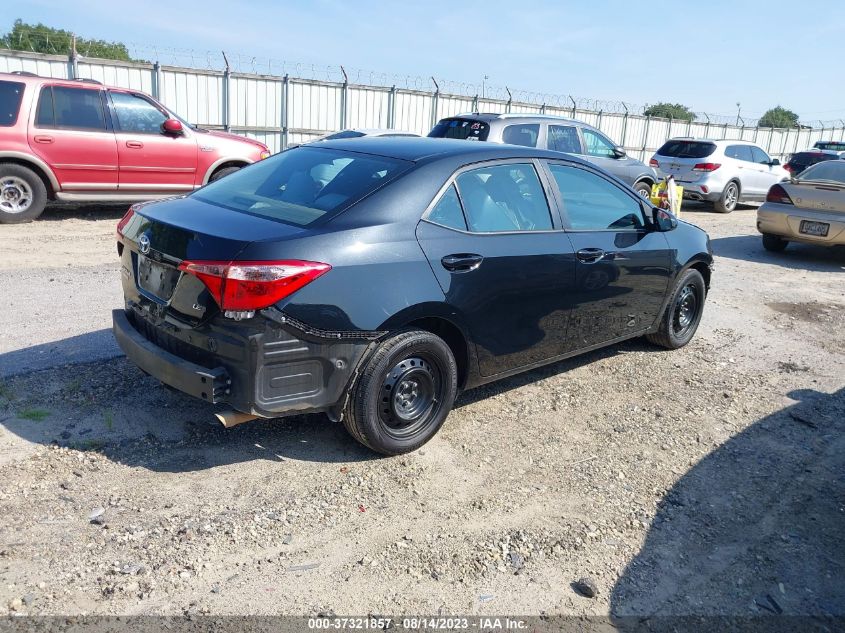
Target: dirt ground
709,480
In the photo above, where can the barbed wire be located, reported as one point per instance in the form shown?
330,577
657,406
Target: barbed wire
61,44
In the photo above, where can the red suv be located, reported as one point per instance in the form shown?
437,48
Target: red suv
81,141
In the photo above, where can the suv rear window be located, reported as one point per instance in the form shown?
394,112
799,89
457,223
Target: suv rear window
302,185
802,160
687,149
463,129
11,93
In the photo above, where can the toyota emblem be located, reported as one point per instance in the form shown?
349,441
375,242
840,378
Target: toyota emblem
144,244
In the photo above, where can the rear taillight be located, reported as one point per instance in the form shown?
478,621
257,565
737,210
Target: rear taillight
789,168
653,163
124,221
778,194
706,166
248,286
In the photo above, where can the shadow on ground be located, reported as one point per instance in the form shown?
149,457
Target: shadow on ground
112,407
796,256
56,211
75,349
754,529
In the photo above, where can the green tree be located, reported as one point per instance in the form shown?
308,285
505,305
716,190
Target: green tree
670,111
44,39
778,117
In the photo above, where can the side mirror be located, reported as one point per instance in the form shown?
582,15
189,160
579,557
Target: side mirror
172,126
618,152
775,162
662,220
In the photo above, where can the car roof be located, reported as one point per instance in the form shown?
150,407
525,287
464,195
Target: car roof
717,141
511,116
418,149
31,78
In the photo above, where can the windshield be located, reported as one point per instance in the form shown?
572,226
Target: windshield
302,185
828,171
687,149
462,129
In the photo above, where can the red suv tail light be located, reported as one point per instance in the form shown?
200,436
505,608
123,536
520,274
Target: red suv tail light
778,194
124,221
789,168
706,166
653,163
246,286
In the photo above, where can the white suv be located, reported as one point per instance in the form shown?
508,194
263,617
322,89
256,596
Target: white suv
724,172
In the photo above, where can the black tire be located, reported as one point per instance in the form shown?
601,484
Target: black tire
23,195
729,199
774,243
403,393
643,189
222,173
676,326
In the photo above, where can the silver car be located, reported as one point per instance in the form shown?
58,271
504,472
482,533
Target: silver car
554,133
724,172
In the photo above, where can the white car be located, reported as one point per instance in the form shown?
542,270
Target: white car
359,132
724,172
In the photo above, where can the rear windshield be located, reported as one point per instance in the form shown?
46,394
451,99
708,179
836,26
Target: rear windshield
342,134
831,145
805,159
302,185
687,149
11,93
463,129
829,171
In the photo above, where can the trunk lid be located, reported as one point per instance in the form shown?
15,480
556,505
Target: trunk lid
161,235
818,196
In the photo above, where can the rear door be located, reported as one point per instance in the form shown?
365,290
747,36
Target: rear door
766,174
149,159
72,133
622,268
503,263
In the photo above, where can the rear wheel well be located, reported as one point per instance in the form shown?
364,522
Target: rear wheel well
453,337
51,193
231,163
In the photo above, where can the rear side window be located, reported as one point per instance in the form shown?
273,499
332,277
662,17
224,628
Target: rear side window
75,108
503,198
563,138
739,152
11,93
687,149
302,185
462,129
524,134
448,211
592,203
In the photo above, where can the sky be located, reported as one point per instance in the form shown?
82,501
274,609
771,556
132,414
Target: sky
708,56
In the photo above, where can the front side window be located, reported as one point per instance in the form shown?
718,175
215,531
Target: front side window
135,114
592,203
448,211
563,138
504,198
598,145
75,108
739,152
302,185
524,134
759,156
11,93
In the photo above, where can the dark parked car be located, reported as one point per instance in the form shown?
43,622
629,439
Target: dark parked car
799,161
373,279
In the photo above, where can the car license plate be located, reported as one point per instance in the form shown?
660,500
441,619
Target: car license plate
157,279
819,229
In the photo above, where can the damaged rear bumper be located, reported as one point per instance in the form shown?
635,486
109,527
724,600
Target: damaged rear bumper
263,366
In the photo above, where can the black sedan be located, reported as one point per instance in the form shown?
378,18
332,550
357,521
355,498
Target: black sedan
373,279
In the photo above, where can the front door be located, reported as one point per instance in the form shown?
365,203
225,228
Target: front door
72,134
150,160
765,173
503,263
622,267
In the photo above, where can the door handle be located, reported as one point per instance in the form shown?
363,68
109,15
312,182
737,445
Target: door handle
590,255
134,144
43,139
461,262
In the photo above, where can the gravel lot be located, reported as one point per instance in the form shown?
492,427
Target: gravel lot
709,480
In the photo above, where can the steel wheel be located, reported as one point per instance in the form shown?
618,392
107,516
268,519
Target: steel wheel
15,195
411,391
685,312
